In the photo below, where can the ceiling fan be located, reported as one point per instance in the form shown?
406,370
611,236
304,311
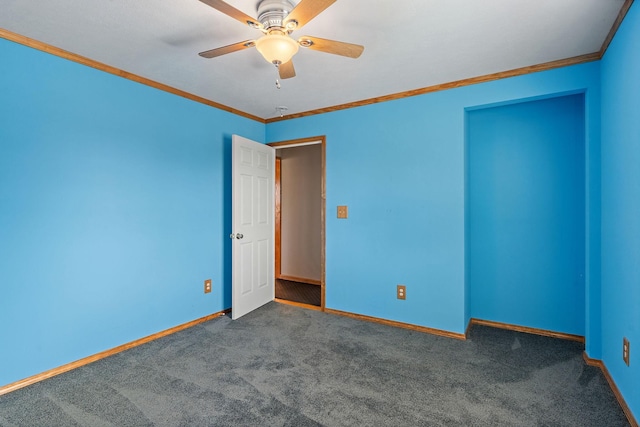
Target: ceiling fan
277,19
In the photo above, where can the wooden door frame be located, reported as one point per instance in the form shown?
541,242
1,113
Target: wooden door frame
278,219
323,202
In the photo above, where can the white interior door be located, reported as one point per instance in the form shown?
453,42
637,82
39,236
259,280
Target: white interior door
253,170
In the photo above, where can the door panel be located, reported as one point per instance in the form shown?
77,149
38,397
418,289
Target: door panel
253,226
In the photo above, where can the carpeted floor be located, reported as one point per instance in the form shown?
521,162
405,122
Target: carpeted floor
298,292
287,366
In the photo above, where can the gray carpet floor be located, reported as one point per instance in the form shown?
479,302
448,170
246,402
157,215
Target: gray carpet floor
286,366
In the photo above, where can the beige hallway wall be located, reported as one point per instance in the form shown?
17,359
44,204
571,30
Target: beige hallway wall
301,207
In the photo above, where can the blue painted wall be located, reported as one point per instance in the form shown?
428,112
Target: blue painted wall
526,214
621,206
114,198
114,205
400,167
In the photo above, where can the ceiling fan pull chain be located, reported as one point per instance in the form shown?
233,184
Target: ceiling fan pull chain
277,74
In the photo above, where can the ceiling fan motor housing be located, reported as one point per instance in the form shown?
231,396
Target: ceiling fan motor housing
271,13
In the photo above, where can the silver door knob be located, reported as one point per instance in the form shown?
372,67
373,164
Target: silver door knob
232,236
239,236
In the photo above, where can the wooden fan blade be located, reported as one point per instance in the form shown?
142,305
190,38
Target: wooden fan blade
227,49
331,46
306,10
231,11
286,70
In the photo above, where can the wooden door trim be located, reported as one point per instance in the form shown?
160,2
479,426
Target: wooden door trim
322,140
278,219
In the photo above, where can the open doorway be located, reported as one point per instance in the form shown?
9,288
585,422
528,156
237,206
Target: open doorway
300,222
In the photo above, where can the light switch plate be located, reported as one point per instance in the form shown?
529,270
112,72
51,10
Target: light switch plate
343,212
625,350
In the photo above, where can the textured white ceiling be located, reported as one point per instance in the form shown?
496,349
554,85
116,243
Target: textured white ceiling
409,44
